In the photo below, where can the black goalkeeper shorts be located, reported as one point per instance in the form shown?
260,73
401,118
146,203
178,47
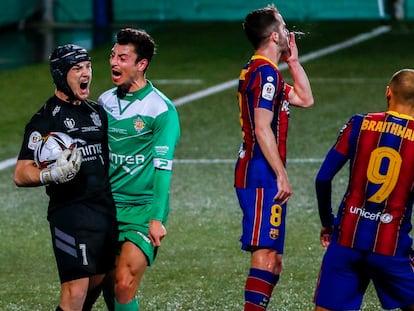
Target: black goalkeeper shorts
84,241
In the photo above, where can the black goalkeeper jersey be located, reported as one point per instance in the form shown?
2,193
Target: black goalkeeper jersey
86,122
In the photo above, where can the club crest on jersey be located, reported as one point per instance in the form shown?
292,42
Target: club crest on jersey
139,124
268,91
274,233
69,123
96,119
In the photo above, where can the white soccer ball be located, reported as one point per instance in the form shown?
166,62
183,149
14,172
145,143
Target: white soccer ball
49,148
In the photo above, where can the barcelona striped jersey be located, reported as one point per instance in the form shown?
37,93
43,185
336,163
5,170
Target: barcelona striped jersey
260,86
375,213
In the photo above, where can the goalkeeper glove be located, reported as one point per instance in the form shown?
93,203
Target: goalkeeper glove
65,169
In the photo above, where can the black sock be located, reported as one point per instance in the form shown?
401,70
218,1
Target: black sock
109,296
91,297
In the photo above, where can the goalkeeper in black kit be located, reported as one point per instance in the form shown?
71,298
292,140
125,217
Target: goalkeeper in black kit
81,211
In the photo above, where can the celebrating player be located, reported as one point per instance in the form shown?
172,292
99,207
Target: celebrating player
369,238
143,132
261,179
81,210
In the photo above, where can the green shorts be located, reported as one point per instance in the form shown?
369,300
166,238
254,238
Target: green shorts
133,225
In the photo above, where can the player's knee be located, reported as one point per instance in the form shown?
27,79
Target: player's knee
278,267
275,262
73,298
123,292
124,284
77,294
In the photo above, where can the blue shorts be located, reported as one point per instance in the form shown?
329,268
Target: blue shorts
346,272
264,221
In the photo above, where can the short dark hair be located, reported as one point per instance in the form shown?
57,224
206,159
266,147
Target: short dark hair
259,24
143,43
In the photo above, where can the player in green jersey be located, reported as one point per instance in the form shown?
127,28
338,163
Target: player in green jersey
143,130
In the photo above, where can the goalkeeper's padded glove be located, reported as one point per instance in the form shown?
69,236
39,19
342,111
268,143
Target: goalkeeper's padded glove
65,169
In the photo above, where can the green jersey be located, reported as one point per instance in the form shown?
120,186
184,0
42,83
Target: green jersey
143,130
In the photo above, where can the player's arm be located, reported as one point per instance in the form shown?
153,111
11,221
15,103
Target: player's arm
266,139
332,164
165,140
335,159
26,174
164,147
162,181
301,94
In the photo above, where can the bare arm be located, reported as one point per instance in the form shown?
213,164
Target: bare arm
267,142
26,174
301,94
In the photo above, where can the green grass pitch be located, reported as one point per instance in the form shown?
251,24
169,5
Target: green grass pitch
200,266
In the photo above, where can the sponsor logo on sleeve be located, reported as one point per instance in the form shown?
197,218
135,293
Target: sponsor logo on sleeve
268,91
161,150
34,138
163,164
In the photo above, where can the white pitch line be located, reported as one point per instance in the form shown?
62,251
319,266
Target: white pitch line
10,162
232,83
7,163
348,80
177,81
233,161
307,57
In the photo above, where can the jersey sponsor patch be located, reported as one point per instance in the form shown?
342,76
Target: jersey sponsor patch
163,164
268,91
161,150
378,216
56,110
35,137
